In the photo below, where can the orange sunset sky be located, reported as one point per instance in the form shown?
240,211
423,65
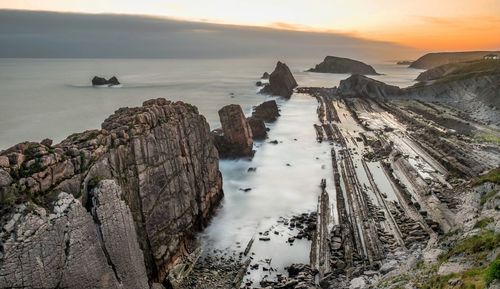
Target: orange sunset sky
425,24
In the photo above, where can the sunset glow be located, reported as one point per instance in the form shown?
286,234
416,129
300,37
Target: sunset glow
426,24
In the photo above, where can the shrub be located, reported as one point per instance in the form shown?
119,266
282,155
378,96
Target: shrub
477,246
493,272
481,224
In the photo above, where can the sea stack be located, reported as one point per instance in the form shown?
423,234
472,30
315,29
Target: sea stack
333,64
100,81
258,127
262,113
235,138
266,111
281,82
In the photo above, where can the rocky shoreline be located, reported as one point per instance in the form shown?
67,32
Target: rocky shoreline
120,207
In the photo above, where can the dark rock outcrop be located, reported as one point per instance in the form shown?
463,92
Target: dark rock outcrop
267,111
258,128
100,81
431,60
362,86
265,75
109,208
235,138
333,64
281,82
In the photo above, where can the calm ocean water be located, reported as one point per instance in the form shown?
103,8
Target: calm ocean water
53,98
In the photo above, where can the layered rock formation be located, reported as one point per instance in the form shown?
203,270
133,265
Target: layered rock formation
476,94
431,60
100,81
281,82
362,86
109,208
235,138
333,64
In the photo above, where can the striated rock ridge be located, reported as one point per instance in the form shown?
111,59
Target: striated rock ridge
235,138
109,208
333,64
475,94
362,86
281,82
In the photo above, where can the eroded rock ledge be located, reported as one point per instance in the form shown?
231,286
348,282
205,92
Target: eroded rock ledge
109,208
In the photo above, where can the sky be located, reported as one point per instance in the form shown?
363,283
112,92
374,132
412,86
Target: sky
425,24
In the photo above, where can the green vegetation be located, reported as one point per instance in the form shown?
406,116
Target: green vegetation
490,138
472,69
492,272
492,176
488,196
470,279
481,224
82,161
477,246
33,169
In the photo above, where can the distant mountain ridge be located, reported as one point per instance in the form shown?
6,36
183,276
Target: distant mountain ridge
431,60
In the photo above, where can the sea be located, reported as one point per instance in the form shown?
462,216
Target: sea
53,98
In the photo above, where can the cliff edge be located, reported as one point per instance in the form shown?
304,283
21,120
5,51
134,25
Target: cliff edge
109,208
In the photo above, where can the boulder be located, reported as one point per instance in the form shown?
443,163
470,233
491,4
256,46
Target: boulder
358,283
98,81
235,138
113,81
46,142
265,75
258,128
266,111
333,64
281,82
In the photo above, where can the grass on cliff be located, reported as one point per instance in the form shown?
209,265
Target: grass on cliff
490,138
481,224
475,68
492,176
470,279
477,246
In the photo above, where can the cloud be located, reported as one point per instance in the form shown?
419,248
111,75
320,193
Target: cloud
72,35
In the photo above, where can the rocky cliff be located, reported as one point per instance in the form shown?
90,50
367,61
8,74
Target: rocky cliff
333,64
474,94
281,82
460,70
109,208
431,60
